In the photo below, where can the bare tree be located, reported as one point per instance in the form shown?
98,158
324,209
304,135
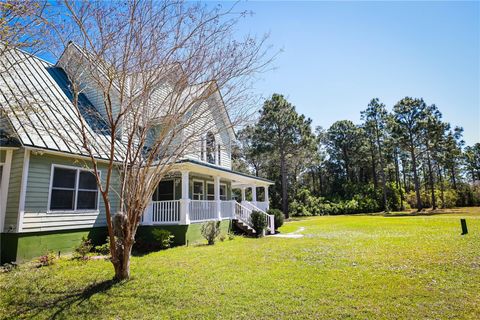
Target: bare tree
22,25
157,67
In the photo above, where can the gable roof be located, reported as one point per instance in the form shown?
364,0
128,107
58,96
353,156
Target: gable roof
37,102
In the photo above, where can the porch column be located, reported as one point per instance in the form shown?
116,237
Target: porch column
216,191
267,201
254,195
185,200
243,193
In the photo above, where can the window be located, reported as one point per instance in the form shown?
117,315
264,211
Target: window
219,156
211,191
223,192
164,192
197,190
73,189
210,149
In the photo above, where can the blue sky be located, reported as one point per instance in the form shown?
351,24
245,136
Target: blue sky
339,55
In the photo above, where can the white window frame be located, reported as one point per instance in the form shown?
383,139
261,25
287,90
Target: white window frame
193,189
77,178
221,184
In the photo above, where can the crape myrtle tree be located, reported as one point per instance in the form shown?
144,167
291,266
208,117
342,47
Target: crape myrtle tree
156,65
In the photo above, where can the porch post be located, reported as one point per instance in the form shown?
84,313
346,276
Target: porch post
216,191
254,195
243,193
185,200
267,201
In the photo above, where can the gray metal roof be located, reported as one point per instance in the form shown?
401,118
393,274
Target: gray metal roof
35,97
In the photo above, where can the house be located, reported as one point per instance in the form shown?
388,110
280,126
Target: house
48,197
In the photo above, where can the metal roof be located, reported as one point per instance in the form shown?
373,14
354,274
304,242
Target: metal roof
35,96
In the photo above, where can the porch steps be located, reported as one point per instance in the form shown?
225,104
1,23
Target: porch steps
244,227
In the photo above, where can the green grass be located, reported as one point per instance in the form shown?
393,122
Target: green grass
345,267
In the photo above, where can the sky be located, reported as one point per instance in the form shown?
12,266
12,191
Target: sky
337,56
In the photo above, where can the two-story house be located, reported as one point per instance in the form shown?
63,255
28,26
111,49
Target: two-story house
48,196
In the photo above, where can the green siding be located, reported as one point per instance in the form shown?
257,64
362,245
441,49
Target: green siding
2,155
25,246
36,200
13,197
39,180
194,235
184,234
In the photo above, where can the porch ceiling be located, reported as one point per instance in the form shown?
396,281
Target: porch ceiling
238,179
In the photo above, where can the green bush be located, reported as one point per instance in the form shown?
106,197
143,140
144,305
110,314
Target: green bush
210,231
163,238
83,248
259,222
104,248
278,217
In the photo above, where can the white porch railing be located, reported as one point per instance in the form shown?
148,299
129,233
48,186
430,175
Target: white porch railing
162,212
168,212
227,209
262,205
203,210
244,210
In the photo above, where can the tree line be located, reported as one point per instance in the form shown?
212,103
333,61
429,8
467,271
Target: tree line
395,160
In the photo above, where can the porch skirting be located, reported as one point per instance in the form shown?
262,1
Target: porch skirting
25,246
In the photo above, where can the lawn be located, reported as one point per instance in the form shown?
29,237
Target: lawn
344,267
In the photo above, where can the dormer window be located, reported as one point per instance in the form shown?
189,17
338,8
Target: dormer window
210,148
219,154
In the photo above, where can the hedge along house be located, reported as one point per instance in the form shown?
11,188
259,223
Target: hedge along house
48,195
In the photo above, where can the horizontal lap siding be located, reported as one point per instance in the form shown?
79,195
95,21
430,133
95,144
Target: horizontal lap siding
13,197
36,217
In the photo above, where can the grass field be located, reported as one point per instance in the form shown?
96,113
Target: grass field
344,267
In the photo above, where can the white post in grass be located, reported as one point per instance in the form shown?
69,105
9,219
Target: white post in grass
216,191
185,200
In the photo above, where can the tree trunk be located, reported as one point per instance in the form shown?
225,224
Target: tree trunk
397,179
454,179
415,179
432,182
123,246
283,172
442,187
374,167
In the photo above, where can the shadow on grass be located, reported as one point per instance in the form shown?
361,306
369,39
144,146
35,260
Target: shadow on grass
63,301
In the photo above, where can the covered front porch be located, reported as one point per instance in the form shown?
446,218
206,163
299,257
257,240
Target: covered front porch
197,192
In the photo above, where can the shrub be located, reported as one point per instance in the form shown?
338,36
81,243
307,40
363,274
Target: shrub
278,217
83,248
222,237
231,236
46,260
259,222
210,231
163,237
104,248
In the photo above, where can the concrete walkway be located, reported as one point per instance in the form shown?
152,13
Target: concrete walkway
293,235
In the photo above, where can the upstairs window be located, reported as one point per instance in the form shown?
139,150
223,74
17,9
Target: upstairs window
73,189
210,148
219,154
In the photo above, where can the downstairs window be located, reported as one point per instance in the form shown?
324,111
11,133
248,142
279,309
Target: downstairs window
73,189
